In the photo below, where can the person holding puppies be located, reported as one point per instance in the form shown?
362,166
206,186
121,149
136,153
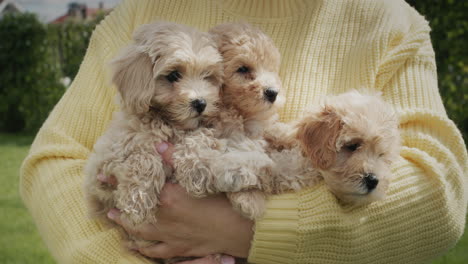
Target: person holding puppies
327,47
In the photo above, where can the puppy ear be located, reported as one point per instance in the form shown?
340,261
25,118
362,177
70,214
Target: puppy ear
229,35
317,135
221,33
132,73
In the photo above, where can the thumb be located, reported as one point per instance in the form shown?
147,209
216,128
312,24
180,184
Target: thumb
165,149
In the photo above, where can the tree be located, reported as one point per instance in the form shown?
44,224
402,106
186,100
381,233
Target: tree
29,78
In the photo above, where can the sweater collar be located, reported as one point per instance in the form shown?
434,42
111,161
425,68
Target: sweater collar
268,9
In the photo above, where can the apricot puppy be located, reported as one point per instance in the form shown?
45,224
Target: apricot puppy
168,81
250,98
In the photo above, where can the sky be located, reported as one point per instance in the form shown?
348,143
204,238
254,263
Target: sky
48,10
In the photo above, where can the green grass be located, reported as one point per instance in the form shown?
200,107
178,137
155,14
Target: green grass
19,240
458,254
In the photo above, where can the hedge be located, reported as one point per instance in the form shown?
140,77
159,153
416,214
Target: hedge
34,58
29,78
449,23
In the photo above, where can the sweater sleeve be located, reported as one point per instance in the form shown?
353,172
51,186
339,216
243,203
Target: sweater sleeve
424,213
51,175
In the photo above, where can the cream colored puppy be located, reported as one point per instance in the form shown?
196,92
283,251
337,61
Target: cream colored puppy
350,142
168,80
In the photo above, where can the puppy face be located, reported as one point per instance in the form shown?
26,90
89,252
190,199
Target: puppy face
353,141
172,70
251,64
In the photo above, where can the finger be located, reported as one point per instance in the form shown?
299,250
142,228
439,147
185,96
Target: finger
143,231
160,250
114,215
165,150
107,179
211,259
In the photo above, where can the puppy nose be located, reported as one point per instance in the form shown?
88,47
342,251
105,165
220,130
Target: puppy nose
371,181
270,94
199,105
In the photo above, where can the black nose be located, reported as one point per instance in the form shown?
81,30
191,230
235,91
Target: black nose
199,105
371,181
270,94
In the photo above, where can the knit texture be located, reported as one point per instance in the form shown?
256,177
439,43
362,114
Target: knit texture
328,47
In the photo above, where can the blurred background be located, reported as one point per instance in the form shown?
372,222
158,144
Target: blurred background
42,44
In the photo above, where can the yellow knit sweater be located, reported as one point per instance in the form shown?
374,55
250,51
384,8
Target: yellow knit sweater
328,47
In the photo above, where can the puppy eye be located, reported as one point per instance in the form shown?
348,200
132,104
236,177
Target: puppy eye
352,147
174,76
209,77
381,155
243,69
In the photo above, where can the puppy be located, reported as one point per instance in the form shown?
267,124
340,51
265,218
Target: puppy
168,80
252,86
350,142
250,98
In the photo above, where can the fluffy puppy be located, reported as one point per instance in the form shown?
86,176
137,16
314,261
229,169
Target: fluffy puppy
251,85
350,142
250,98
251,90
168,80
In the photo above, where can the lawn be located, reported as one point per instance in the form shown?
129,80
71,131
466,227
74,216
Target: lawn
19,240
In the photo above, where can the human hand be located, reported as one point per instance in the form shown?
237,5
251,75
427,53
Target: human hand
192,227
202,235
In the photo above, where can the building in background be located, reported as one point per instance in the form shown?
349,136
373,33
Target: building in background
9,6
78,12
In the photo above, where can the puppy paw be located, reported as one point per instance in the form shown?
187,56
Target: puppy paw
238,171
250,204
139,211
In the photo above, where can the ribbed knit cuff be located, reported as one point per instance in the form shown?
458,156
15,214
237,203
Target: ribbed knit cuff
275,239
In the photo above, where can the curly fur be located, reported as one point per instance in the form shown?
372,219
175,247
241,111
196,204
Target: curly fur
242,45
349,137
153,109
221,150
235,161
